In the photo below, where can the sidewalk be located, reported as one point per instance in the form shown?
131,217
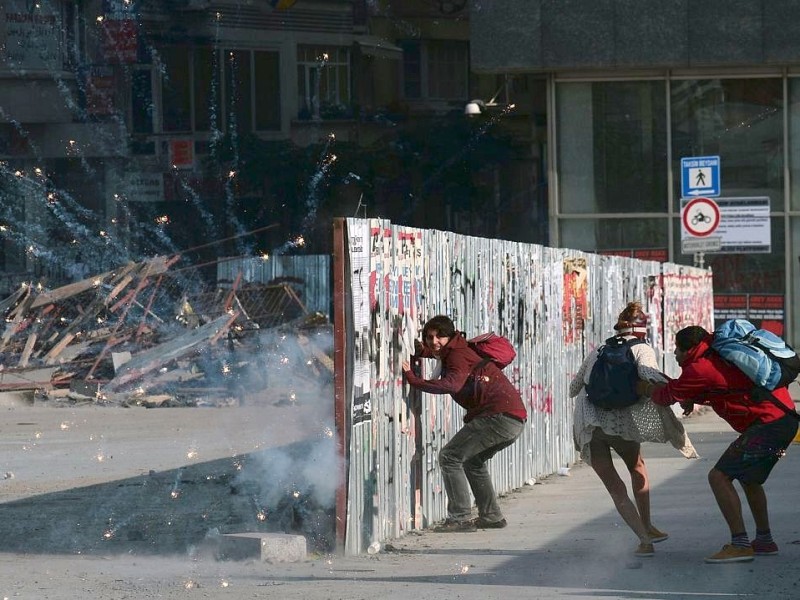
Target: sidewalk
564,540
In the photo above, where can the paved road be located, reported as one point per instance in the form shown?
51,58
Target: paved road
564,540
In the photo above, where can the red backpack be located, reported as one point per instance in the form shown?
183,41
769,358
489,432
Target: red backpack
493,347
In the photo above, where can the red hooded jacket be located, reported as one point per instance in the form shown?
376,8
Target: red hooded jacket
706,378
482,391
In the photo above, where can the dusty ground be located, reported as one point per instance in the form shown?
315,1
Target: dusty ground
115,503
111,481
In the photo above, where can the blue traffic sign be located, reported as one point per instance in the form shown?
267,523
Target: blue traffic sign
700,176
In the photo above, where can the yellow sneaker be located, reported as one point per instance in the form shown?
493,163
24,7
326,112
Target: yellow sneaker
656,535
731,553
644,550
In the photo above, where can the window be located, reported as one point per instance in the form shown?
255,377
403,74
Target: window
612,147
176,89
613,234
323,82
142,100
238,90
73,39
206,89
794,147
267,91
437,70
740,120
203,89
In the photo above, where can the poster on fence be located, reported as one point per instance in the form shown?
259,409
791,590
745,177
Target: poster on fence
358,242
576,305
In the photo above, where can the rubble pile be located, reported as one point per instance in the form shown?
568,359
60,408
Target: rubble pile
146,334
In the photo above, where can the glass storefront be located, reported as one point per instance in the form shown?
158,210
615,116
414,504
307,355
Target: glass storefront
612,147
613,233
619,150
794,144
739,120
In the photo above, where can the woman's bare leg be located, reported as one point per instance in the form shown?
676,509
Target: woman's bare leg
603,465
631,454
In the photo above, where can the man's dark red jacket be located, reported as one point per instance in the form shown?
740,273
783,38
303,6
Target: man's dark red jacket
482,391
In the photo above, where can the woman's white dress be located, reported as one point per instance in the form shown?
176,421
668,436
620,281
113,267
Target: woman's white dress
642,422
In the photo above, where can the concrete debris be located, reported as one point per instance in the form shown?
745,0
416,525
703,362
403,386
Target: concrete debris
150,335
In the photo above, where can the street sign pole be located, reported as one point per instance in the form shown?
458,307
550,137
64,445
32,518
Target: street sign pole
699,259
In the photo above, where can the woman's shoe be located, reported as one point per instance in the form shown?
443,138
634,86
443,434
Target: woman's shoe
656,535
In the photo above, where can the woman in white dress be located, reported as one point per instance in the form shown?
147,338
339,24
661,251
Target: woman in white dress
596,431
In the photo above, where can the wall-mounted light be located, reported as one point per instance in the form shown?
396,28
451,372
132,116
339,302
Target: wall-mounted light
477,107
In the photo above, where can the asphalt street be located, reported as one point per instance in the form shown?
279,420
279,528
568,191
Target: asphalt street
564,540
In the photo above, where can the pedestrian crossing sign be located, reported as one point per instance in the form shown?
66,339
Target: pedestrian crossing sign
700,176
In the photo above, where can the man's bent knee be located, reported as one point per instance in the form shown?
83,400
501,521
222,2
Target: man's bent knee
449,459
715,476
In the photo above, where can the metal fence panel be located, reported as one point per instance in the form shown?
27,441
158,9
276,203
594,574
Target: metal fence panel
555,305
311,275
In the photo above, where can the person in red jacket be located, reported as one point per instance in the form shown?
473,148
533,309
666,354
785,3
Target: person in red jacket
766,429
495,417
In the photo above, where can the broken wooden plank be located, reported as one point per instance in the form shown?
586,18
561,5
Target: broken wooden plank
26,352
68,291
306,343
155,357
51,356
13,299
26,379
123,283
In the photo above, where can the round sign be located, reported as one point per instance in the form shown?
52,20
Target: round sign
700,217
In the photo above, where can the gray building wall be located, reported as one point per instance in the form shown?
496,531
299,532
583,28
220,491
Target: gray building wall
549,35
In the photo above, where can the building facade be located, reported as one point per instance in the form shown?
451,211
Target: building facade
123,120
638,88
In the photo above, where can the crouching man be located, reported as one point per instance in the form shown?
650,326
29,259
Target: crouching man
766,429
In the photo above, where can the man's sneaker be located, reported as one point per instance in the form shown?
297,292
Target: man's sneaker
482,523
764,548
731,554
656,535
644,550
450,526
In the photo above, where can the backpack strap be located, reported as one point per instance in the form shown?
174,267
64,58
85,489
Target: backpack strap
759,393
479,365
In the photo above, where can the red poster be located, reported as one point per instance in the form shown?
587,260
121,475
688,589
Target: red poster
767,312
120,40
181,154
576,305
100,86
655,254
625,253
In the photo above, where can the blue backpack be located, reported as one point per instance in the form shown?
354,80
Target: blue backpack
612,382
760,354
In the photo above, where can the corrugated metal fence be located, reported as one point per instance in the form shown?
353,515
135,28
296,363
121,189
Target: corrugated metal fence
310,275
555,305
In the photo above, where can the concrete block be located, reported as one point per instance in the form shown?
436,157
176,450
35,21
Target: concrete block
266,547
